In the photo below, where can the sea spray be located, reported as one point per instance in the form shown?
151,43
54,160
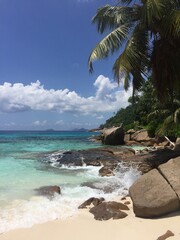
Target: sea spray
28,160
39,209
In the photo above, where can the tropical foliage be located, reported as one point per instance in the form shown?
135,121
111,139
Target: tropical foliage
146,36
147,112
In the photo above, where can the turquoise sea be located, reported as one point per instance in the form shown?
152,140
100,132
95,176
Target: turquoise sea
27,162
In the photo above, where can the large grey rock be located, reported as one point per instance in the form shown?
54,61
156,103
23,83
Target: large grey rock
140,136
171,172
152,196
113,136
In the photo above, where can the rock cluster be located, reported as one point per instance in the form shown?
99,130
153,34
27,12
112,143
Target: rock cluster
105,210
93,157
157,192
110,157
94,201
108,210
117,136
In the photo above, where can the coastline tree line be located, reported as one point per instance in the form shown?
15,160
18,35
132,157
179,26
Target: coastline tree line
145,111
145,35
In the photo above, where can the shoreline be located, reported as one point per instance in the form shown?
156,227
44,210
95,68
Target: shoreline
84,226
129,228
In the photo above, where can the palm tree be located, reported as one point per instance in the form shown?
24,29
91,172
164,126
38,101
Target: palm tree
167,117
147,35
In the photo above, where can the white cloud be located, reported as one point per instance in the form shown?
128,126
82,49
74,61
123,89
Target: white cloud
104,86
10,124
19,97
100,117
84,1
59,122
40,123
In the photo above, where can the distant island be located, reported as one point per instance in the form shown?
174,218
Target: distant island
80,130
50,130
73,130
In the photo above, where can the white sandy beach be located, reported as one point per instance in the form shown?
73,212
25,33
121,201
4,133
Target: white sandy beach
84,227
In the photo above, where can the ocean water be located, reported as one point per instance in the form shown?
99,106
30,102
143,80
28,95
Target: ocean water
27,163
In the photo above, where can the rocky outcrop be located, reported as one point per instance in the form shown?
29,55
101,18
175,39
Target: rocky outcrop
121,152
148,161
140,136
171,172
157,192
177,145
113,136
105,187
108,210
48,191
110,157
93,157
106,171
94,201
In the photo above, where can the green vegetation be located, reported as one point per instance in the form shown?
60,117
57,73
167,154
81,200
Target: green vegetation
147,35
146,112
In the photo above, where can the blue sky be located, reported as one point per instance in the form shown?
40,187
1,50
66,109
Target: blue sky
44,78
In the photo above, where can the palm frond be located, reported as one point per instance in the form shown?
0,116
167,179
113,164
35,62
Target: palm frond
177,116
127,78
176,4
170,24
165,66
111,17
153,115
155,10
134,58
169,120
151,9
151,31
109,44
126,1
137,81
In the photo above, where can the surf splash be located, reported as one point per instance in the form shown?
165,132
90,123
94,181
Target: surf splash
23,213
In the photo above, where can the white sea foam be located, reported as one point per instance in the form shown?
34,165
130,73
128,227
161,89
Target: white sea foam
26,213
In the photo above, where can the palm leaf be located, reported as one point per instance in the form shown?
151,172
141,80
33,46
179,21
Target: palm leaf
170,24
151,10
127,78
169,119
153,115
177,116
165,66
140,25
111,17
134,58
154,12
126,1
109,44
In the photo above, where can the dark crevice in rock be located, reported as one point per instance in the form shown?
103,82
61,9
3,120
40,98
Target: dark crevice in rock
159,170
